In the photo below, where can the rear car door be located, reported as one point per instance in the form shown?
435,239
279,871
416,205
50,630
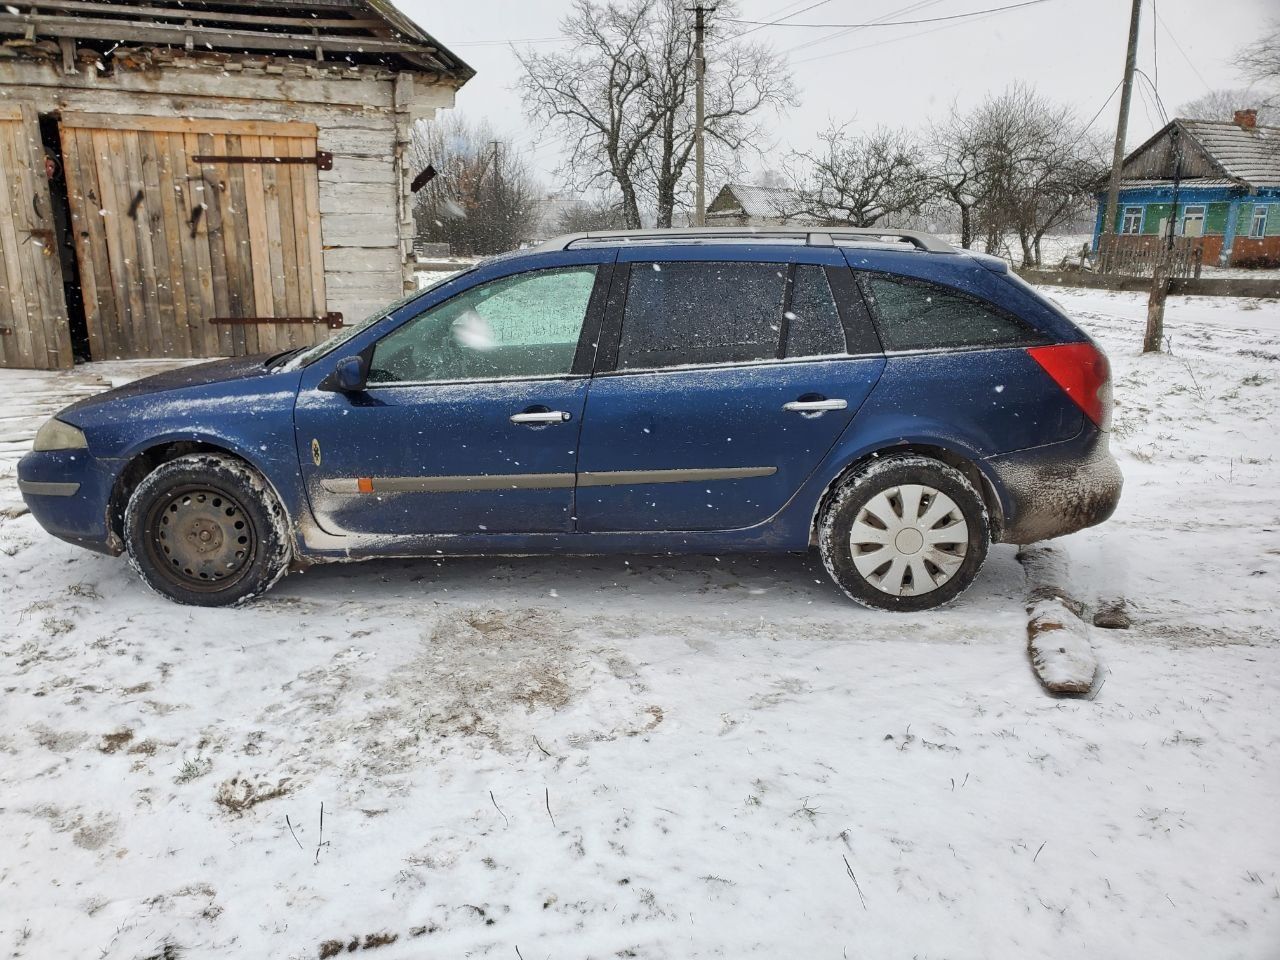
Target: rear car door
725,374
469,422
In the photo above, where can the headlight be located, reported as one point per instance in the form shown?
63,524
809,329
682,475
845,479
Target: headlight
56,435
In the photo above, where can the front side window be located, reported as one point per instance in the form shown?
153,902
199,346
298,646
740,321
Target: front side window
525,325
1132,222
915,315
1258,226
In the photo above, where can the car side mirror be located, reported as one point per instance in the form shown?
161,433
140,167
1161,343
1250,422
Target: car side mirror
350,375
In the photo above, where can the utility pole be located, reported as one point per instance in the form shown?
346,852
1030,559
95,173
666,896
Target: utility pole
1122,125
699,73
1164,260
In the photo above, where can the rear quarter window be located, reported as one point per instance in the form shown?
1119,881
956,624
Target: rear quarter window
917,315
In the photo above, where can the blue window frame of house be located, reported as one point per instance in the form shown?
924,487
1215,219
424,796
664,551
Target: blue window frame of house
1132,222
1258,225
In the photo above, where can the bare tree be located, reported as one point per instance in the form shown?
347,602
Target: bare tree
957,169
588,215
1260,62
483,199
1222,105
623,98
1016,165
859,179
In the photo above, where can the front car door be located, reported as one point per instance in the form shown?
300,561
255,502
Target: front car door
725,375
469,423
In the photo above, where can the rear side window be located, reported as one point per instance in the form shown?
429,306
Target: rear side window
915,315
709,312
681,313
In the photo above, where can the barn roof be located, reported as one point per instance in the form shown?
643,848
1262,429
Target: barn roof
1213,150
752,201
361,31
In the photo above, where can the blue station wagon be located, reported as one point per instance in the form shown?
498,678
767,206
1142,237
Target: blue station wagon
882,397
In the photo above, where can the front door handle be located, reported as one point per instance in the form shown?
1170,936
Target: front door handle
814,406
543,417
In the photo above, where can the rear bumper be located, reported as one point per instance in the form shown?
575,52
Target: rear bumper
1057,489
69,494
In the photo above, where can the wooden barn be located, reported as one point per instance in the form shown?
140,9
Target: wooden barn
203,179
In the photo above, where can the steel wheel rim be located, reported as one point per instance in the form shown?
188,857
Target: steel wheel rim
909,540
201,537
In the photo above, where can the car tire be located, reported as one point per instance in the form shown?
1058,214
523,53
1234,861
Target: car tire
207,530
904,533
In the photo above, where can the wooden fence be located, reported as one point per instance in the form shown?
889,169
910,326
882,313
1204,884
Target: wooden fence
1138,256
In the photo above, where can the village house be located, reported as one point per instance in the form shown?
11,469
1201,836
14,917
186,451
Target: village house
1226,177
200,179
744,205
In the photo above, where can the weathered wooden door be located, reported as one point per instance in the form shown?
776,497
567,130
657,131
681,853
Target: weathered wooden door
33,312
185,226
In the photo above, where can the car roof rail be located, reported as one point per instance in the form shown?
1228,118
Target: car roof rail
812,237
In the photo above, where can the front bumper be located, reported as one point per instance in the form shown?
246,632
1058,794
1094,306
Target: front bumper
1055,490
69,494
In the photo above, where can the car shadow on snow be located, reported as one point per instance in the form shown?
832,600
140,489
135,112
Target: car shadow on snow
750,583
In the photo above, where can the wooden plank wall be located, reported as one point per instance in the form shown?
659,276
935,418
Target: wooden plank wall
34,332
178,242
359,249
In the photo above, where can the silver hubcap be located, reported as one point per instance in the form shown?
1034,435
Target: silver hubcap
909,540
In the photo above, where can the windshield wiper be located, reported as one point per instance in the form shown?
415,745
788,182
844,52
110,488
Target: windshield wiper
279,358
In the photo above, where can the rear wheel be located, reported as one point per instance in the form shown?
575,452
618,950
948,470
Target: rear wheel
205,529
906,533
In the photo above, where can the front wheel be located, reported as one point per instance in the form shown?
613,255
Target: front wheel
206,529
906,533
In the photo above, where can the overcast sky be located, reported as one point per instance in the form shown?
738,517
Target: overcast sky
1071,50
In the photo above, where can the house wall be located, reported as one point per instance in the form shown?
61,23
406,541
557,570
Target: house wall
363,118
1157,203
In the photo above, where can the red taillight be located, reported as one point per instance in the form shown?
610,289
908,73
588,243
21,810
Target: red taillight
1082,371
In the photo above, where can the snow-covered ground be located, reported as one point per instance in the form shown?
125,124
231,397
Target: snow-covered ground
649,757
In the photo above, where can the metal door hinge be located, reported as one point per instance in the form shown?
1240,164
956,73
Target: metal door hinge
332,320
323,160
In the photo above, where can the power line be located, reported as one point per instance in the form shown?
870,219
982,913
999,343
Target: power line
889,23
1104,105
881,43
1146,103
770,23
1164,115
845,31
1190,63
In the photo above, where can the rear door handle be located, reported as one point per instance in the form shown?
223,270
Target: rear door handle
542,417
814,406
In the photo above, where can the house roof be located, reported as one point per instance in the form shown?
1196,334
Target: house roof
1242,155
1250,156
359,31
766,202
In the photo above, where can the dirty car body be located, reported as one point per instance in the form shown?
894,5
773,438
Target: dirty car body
657,393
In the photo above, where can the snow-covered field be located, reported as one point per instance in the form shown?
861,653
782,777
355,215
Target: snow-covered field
651,757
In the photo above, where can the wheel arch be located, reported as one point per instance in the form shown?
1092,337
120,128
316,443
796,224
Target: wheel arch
963,462
143,462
